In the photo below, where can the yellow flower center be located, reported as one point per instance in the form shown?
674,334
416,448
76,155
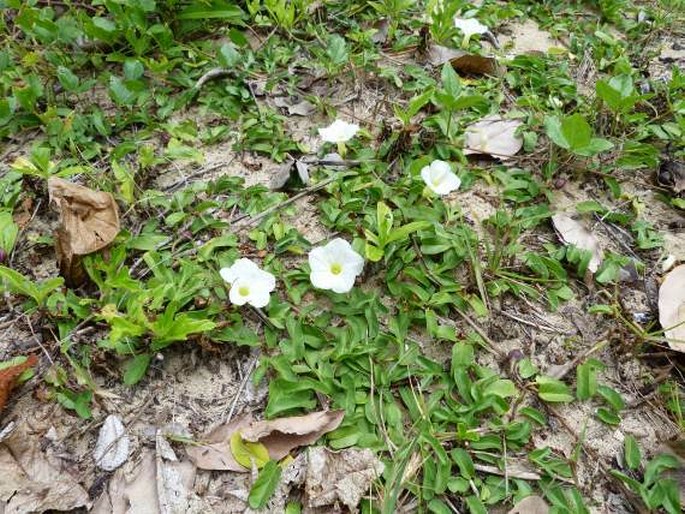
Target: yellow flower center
243,290
336,268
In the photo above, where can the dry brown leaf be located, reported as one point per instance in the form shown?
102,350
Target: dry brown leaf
282,435
215,450
160,484
29,482
572,232
279,436
463,62
9,376
89,221
339,477
493,135
530,505
672,308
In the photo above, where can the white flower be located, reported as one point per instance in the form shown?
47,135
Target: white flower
335,266
440,178
469,26
249,283
339,132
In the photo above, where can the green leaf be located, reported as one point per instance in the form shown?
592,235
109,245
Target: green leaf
337,50
146,242
403,232
576,131
586,380
133,69
120,93
265,485
450,80
464,462
555,133
553,390
67,79
659,464
631,452
608,416
136,368
245,452
216,9
228,55
502,388
373,253
613,398
438,506
534,415
8,231
575,134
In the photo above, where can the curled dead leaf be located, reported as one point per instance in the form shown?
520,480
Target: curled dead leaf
530,505
10,374
493,135
463,62
279,436
672,308
282,435
572,232
89,221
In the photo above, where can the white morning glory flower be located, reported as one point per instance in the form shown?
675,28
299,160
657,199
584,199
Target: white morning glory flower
339,132
469,27
335,266
439,178
249,283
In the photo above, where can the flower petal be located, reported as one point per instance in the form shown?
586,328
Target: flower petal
440,168
319,259
259,297
240,268
321,279
235,297
343,283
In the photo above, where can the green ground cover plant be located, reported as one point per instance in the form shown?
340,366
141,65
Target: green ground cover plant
114,94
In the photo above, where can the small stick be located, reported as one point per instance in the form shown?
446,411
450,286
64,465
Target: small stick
212,74
564,370
250,368
284,203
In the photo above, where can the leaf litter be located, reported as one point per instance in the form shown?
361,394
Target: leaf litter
160,483
112,447
572,232
463,62
11,373
494,136
89,221
672,307
30,481
219,449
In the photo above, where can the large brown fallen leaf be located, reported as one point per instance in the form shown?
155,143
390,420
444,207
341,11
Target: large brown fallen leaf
572,232
530,505
89,221
463,62
282,435
672,308
160,484
493,135
29,482
279,436
9,376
